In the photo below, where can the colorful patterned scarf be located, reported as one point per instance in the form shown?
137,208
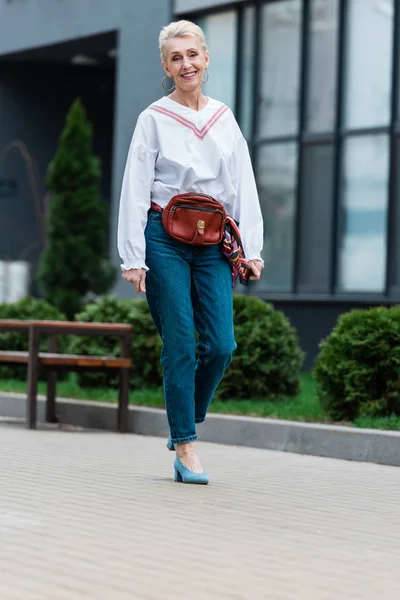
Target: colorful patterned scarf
232,249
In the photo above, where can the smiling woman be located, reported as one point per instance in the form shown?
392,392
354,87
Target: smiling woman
187,147
185,59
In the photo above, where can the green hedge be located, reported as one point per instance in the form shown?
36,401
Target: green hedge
268,360
358,369
26,309
266,363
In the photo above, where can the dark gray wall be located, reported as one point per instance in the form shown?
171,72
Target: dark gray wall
28,23
34,100
138,85
185,6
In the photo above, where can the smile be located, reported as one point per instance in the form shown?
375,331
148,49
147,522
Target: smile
189,75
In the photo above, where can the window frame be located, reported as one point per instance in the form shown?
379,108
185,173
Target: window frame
337,138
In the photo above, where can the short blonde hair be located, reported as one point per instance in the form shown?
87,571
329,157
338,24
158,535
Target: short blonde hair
180,29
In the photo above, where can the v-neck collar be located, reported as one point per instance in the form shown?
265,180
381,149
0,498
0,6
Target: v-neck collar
186,122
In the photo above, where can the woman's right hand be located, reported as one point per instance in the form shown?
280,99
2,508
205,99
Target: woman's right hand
137,277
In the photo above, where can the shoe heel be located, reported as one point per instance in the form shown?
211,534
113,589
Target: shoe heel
177,476
184,475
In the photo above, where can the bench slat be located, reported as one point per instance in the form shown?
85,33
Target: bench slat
48,359
77,326
14,357
65,360
117,363
13,325
66,327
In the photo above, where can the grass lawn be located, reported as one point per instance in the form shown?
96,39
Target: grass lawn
304,407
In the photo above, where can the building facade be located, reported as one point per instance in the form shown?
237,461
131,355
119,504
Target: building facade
314,85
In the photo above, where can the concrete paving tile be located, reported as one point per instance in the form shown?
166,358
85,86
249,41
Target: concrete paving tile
98,516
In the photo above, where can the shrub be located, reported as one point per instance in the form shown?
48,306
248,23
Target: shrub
146,343
26,309
266,363
358,369
75,260
268,359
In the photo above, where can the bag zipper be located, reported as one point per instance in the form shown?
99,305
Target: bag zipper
210,210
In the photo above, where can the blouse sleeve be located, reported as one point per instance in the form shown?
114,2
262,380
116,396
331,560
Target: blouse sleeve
135,202
247,207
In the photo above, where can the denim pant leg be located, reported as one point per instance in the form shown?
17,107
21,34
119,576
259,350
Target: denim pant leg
168,285
213,311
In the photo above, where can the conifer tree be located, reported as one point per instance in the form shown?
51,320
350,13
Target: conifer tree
75,260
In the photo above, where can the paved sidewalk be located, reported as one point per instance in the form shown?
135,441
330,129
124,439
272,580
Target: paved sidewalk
89,515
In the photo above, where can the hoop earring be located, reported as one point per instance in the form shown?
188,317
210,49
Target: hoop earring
163,86
208,76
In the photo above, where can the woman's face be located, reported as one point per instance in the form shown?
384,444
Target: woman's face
186,62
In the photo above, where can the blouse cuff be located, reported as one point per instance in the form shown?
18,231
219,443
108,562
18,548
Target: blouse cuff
254,257
133,264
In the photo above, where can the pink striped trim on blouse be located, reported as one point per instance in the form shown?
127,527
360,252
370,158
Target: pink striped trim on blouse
200,133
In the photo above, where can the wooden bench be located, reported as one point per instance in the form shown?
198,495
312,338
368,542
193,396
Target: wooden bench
53,362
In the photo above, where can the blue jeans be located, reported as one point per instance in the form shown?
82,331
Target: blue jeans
189,288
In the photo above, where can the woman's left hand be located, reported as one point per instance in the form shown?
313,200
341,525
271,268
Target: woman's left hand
256,266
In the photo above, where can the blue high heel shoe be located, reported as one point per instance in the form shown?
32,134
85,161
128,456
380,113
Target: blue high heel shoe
184,475
170,444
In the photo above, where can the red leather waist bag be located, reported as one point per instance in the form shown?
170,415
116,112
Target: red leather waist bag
194,218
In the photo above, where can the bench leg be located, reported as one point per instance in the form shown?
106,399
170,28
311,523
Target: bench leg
32,378
123,401
51,416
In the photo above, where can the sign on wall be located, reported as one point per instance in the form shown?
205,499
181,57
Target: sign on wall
14,280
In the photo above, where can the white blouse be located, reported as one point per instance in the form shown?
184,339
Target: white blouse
176,149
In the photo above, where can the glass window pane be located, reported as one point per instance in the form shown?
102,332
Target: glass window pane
280,65
277,171
246,78
220,32
322,64
316,209
362,252
369,64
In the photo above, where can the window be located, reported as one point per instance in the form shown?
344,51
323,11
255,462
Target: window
245,82
368,64
363,218
277,188
280,66
220,31
322,65
316,223
314,101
